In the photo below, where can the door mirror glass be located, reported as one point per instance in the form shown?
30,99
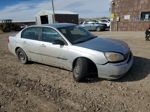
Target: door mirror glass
59,42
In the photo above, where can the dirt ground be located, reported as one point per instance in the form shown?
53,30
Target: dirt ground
40,88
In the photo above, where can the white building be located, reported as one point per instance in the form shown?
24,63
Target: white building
47,17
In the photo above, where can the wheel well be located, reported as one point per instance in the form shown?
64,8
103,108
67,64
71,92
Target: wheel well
98,27
91,65
16,49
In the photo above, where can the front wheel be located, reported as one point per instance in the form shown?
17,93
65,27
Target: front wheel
22,56
80,70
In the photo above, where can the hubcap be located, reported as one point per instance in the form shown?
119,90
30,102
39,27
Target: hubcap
98,29
21,57
77,68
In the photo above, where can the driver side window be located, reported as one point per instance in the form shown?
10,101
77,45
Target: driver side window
50,35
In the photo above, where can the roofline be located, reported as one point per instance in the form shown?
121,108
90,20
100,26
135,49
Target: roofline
57,25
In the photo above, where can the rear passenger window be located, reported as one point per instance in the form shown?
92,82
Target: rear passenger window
31,33
50,35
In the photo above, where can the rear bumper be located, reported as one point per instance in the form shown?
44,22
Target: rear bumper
11,49
114,71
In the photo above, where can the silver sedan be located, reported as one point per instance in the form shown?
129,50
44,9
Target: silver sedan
71,47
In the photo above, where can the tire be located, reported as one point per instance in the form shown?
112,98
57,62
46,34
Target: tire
98,29
80,70
22,56
147,37
6,30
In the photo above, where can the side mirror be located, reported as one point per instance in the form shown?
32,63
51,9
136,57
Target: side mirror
59,42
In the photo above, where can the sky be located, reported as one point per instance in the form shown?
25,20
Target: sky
20,10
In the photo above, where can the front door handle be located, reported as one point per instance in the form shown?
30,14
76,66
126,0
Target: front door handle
43,45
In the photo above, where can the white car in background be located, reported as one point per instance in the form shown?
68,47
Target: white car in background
104,21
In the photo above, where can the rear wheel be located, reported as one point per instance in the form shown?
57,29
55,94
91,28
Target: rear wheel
80,70
6,29
22,56
98,29
147,37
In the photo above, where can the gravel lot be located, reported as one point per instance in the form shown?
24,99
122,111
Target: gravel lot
39,88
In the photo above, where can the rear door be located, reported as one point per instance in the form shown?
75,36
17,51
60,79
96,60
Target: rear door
87,25
31,44
93,25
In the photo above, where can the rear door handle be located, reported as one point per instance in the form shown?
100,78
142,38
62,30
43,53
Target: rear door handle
24,42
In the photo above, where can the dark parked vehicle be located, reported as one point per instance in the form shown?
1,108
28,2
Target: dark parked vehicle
7,26
147,37
93,26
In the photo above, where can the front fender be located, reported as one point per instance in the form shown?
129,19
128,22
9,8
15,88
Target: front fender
95,56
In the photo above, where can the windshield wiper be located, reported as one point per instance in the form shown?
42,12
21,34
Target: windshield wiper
93,37
81,41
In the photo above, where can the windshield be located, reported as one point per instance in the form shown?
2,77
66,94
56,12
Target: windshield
76,34
103,20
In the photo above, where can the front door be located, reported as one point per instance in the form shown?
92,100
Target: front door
52,54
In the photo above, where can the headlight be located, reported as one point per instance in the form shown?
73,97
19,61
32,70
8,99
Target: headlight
114,57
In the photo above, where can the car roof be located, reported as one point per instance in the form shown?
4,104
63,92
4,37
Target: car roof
56,25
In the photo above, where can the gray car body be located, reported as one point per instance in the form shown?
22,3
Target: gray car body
64,56
91,25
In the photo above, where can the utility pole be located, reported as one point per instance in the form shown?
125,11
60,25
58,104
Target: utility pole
53,11
111,15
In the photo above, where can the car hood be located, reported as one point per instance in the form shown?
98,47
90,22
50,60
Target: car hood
105,45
